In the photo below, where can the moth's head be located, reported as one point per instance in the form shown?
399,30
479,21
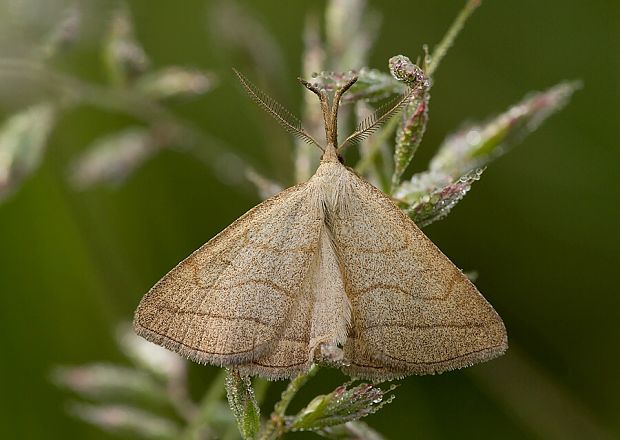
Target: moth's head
331,154
332,150
367,126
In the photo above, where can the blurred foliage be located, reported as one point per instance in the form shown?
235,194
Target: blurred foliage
134,89
145,108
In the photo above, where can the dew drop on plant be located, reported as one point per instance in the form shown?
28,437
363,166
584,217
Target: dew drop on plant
473,137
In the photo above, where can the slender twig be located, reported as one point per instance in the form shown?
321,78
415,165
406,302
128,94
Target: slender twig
177,391
542,403
200,424
173,131
260,391
375,146
122,100
446,42
275,426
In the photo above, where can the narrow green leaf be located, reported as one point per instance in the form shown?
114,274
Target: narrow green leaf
375,162
202,424
476,145
123,55
356,430
350,30
126,421
113,158
414,117
314,411
243,404
109,382
429,196
175,83
265,186
342,405
65,33
420,185
409,136
240,34
23,138
162,363
447,41
313,60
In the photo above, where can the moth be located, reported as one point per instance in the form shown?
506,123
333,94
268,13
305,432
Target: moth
329,270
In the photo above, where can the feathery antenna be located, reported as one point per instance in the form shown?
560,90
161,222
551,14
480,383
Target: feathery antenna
330,112
284,117
372,123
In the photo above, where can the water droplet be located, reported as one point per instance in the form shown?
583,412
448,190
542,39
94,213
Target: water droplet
473,137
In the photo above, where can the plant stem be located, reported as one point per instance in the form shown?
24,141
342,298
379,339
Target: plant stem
446,42
368,160
260,391
274,428
116,99
177,391
196,429
172,130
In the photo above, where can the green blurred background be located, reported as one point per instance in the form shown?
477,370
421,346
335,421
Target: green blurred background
541,227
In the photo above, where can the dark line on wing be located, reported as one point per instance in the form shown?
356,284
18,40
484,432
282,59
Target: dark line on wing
302,342
449,290
372,250
427,326
195,348
268,283
372,287
277,366
213,315
276,250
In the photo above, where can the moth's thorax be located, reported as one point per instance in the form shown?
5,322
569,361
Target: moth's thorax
330,154
330,186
